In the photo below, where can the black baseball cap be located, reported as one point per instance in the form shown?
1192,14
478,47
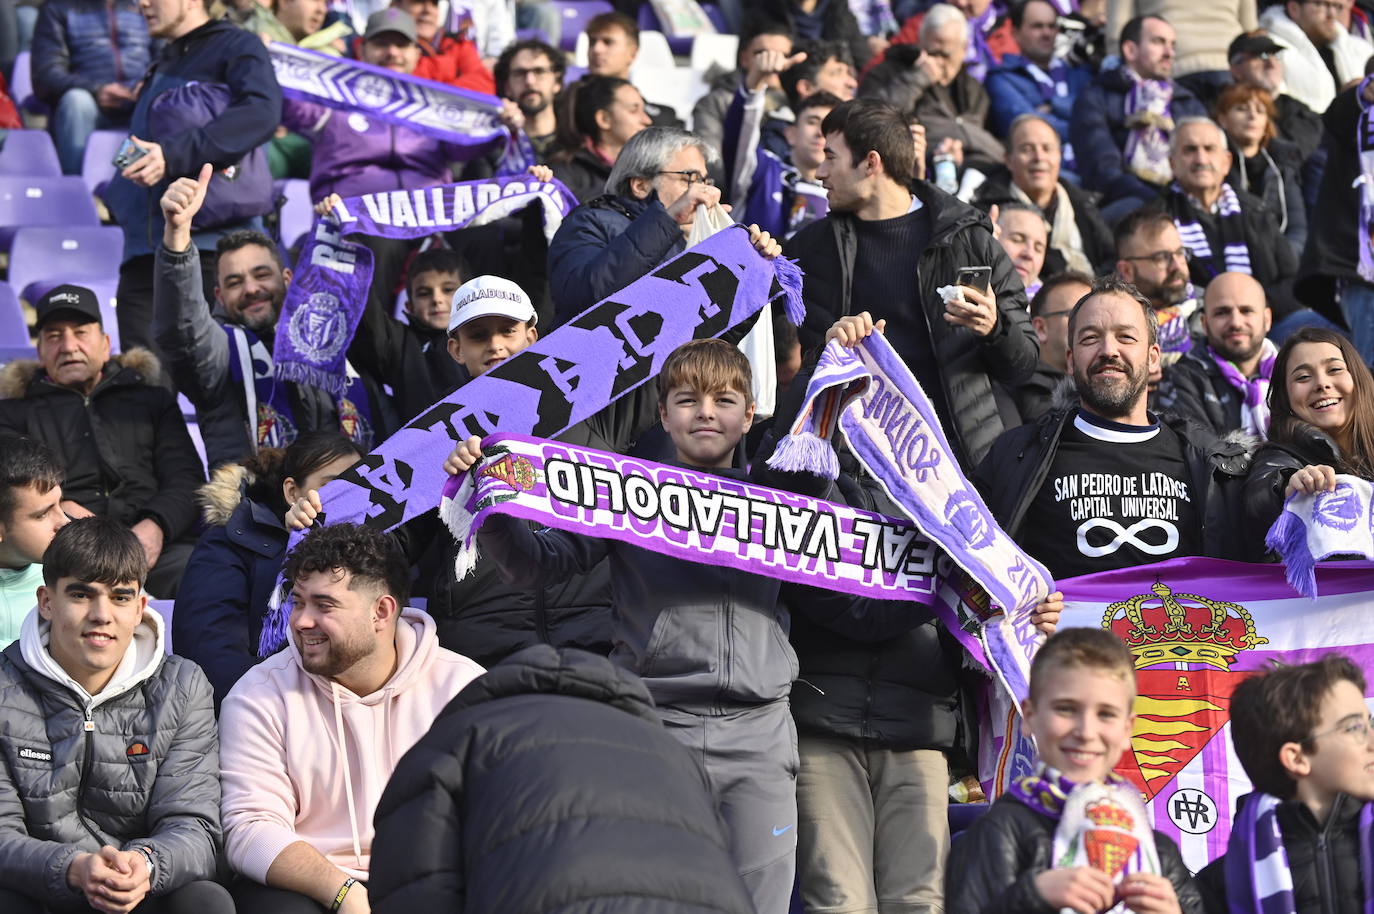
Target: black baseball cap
1252,43
70,303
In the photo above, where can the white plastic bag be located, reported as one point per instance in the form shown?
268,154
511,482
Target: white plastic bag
757,345
682,18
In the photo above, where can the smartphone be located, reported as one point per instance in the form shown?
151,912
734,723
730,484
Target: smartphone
974,277
129,153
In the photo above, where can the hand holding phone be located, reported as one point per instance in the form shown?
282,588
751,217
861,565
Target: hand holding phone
974,277
129,153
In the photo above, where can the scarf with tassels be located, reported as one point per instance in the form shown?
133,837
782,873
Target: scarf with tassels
1254,411
1149,117
1235,253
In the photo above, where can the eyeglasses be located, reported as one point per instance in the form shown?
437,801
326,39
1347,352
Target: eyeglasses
532,72
1357,730
1162,259
691,177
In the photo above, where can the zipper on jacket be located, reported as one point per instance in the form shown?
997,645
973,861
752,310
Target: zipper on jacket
865,723
114,40
89,727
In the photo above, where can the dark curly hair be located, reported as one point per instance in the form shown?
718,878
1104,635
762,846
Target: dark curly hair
370,556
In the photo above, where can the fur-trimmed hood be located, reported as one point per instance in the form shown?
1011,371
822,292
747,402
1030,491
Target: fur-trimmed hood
17,376
223,493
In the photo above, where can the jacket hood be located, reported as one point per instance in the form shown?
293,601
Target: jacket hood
223,493
417,643
144,655
543,670
141,364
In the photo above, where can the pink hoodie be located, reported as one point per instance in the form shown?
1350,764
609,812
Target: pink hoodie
285,778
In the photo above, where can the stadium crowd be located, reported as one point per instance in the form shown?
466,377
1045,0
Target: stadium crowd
1113,240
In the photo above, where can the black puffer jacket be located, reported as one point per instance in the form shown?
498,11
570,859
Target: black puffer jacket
1270,471
1324,860
1011,476
993,865
549,784
124,449
1332,252
960,236
1193,387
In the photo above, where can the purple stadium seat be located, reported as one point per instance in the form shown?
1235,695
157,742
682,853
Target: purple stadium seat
21,88
97,165
576,14
63,201
14,333
648,21
29,152
297,212
53,255
531,35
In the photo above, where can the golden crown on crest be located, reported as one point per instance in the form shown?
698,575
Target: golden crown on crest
1167,627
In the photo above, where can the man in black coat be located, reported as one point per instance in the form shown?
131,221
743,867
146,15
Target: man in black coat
119,436
546,782
860,258
1235,319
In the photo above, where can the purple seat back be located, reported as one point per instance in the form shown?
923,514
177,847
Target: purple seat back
22,89
14,333
62,201
576,14
97,163
58,254
29,152
648,21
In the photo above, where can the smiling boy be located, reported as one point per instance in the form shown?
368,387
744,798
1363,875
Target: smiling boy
1303,735
1079,713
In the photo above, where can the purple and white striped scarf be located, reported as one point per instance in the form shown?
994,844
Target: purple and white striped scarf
870,395
560,380
688,514
1254,410
1258,879
1231,226
1312,528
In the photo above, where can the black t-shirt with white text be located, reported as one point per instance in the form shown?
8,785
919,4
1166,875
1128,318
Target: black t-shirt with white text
1116,496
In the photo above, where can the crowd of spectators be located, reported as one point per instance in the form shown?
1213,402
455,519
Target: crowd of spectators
1165,200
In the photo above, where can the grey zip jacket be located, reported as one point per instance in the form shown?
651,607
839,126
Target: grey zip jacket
136,765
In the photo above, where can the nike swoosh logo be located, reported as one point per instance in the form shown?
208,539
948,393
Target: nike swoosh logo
780,831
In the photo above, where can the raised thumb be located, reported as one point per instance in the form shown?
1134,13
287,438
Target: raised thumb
206,171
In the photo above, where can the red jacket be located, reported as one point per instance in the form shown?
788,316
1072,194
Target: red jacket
9,115
455,63
1001,40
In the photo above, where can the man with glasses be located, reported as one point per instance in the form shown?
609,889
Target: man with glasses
1151,256
1302,734
1049,311
1320,55
529,74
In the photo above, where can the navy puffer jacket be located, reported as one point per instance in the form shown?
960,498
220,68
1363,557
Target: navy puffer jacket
86,44
549,784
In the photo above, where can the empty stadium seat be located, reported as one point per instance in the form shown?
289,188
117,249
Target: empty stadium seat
14,333
51,255
720,50
21,87
97,163
24,201
297,211
576,14
679,87
29,152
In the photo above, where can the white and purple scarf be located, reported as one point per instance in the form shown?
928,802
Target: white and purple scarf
1149,117
688,514
1316,527
1235,253
1364,139
1258,878
560,380
1254,410
870,395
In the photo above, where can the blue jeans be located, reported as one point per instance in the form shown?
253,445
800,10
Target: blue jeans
1303,317
76,118
1357,304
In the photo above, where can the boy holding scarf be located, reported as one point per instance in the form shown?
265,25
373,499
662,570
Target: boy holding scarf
1301,842
1072,808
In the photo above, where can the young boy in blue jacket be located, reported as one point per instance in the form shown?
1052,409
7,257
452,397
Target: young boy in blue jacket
710,642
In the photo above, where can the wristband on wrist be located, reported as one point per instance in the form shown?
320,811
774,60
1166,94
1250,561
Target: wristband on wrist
342,894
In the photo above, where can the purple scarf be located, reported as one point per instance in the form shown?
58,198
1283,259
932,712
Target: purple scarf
562,379
1254,412
1364,140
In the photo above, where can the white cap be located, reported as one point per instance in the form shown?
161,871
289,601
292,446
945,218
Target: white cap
484,296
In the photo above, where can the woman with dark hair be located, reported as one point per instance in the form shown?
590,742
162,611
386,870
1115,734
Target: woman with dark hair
230,575
606,112
1321,422
1262,162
